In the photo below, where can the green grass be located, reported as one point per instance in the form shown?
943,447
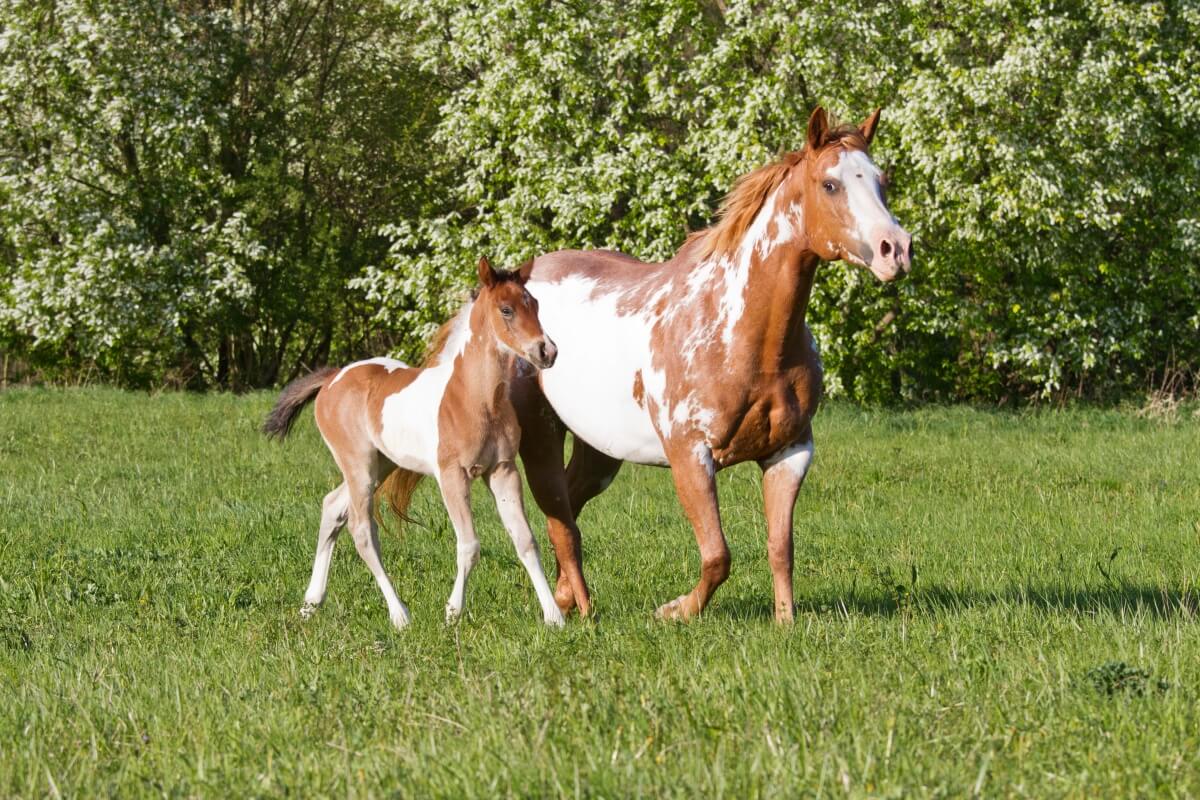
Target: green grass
963,579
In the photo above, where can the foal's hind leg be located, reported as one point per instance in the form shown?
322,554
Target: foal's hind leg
456,495
505,483
333,519
361,481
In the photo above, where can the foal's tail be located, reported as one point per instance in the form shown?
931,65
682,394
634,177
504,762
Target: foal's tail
294,397
398,488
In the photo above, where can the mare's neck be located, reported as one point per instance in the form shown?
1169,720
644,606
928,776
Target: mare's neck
776,265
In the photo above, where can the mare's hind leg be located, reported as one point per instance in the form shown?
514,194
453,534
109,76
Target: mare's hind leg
542,438
361,481
333,519
456,494
505,483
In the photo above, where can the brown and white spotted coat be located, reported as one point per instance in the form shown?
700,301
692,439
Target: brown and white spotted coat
703,361
453,419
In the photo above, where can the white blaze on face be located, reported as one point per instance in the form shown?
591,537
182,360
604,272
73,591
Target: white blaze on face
859,176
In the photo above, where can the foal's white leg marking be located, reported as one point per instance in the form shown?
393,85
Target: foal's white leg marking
505,483
333,519
797,458
456,495
366,539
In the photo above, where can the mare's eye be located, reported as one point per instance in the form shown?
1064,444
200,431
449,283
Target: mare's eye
829,186
506,312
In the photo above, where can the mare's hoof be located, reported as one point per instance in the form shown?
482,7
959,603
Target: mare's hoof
555,618
677,609
452,614
307,610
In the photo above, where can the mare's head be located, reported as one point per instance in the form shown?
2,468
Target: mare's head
511,313
845,213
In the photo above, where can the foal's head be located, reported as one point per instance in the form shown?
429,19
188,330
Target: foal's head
512,314
845,213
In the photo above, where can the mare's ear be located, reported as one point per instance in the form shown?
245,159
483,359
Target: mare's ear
487,275
867,129
818,128
524,271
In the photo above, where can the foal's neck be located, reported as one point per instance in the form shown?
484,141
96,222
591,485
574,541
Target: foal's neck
486,368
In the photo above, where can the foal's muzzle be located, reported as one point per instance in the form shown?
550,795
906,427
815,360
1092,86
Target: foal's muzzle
542,353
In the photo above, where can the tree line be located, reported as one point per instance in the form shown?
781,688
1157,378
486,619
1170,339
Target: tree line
223,194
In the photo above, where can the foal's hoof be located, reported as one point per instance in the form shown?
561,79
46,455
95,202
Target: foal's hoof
307,610
400,618
677,609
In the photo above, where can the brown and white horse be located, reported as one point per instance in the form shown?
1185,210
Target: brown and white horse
452,419
705,360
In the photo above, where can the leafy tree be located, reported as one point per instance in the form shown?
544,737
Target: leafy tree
1044,154
188,187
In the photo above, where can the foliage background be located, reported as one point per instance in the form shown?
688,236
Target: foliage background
217,194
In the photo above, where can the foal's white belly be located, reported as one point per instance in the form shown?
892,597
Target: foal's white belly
591,383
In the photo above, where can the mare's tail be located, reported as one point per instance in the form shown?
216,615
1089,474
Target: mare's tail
294,397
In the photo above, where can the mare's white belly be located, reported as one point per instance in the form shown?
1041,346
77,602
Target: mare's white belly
591,383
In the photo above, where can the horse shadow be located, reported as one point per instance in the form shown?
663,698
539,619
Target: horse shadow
926,601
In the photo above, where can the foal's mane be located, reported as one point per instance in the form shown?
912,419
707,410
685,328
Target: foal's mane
742,204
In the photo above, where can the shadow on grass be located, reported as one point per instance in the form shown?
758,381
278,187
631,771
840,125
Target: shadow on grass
1115,599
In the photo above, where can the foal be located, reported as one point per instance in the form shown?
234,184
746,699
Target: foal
452,419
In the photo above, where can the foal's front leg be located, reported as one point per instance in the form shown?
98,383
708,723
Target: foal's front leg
456,494
505,482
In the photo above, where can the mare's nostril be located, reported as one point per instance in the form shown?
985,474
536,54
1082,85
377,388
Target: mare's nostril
885,248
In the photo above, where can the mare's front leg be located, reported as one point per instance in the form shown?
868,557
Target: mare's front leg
783,474
505,482
695,483
456,494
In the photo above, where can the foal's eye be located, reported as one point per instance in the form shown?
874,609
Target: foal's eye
829,186
506,312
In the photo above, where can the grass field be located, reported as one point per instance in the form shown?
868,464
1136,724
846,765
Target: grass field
968,583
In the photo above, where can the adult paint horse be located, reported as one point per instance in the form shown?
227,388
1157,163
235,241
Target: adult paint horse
703,361
453,419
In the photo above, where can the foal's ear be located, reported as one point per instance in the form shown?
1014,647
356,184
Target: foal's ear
867,129
818,128
524,271
487,275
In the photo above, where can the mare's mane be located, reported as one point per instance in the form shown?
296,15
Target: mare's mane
742,204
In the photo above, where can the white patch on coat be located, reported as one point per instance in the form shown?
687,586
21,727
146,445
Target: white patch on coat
382,361
409,433
703,454
797,458
860,178
600,352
